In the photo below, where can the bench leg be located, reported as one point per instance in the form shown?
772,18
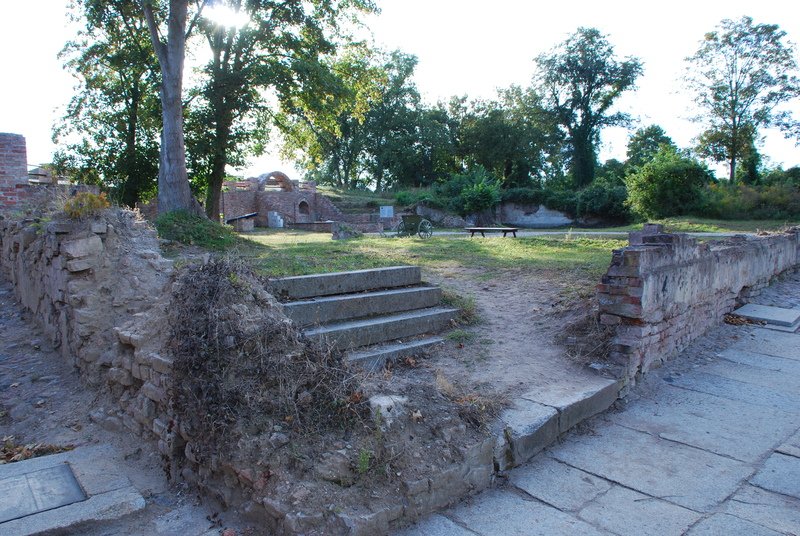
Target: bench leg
483,235
514,233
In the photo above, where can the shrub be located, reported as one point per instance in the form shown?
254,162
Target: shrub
186,228
480,196
604,200
669,185
85,204
524,196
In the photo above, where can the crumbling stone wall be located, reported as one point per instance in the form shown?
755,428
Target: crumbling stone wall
665,290
13,171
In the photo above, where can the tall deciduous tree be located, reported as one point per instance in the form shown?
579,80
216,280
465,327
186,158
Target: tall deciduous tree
579,81
110,130
173,181
645,143
742,73
278,50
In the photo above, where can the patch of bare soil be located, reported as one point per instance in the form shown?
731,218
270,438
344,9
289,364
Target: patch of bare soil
527,324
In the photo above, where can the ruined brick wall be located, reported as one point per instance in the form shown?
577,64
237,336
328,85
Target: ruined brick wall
665,290
13,171
238,203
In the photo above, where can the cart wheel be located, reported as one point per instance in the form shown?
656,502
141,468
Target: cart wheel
401,229
425,229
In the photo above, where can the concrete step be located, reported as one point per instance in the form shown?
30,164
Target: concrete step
355,333
327,309
374,357
309,286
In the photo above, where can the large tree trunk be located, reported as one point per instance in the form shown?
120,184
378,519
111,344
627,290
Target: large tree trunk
583,159
173,181
219,162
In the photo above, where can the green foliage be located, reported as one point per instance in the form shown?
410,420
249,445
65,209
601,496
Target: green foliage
483,195
467,308
603,199
85,204
524,196
726,201
644,144
186,228
669,185
742,73
580,80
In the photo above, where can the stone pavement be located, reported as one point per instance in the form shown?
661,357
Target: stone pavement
707,445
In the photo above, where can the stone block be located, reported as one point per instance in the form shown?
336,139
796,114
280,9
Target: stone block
120,376
79,265
82,247
156,394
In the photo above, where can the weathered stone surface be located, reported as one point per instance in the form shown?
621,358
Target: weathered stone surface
503,514
435,525
724,524
335,467
79,265
781,474
772,315
574,405
791,446
121,376
528,427
777,512
387,408
558,484
765,341
720,425
690,477
628,513
714,384
82,247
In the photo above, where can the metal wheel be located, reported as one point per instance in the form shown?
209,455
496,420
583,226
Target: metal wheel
425,229
401,229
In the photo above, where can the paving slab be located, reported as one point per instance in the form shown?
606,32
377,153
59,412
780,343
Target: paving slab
786,380
781,474
38,491
724,524
765,341
681,474
714,384
527,428
754,359
558,484
720,425
498,513
435,525
767,313
105,493
791,446
765,508
574,405
628,513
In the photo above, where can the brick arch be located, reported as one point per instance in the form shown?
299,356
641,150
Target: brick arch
278,178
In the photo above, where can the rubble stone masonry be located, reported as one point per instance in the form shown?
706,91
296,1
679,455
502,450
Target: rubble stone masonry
665,290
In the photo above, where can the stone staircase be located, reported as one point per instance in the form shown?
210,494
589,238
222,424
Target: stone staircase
375,315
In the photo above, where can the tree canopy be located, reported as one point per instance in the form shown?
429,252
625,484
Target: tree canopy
579,81
741,73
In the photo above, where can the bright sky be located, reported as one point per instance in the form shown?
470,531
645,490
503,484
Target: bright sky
467,47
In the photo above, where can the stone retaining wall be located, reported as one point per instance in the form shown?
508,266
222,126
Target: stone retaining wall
665,290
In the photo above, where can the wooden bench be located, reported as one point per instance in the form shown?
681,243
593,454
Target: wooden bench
483,230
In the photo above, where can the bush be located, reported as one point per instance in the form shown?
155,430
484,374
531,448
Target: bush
524,196
85,204
727,201
670,184
479,197
603,199
186,228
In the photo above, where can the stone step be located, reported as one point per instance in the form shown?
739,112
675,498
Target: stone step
327,309
374,357
356,333
309,286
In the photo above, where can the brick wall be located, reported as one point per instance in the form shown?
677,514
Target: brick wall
665,290
13,171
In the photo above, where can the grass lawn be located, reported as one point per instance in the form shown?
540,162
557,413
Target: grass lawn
691,224
281,253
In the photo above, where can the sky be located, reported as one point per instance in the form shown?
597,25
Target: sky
465,47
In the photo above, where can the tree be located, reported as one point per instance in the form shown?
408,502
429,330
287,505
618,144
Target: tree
742,73
116,113
277,51
668,185
644,144
579,81
173,181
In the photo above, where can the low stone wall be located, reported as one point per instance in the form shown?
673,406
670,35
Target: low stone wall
665,290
